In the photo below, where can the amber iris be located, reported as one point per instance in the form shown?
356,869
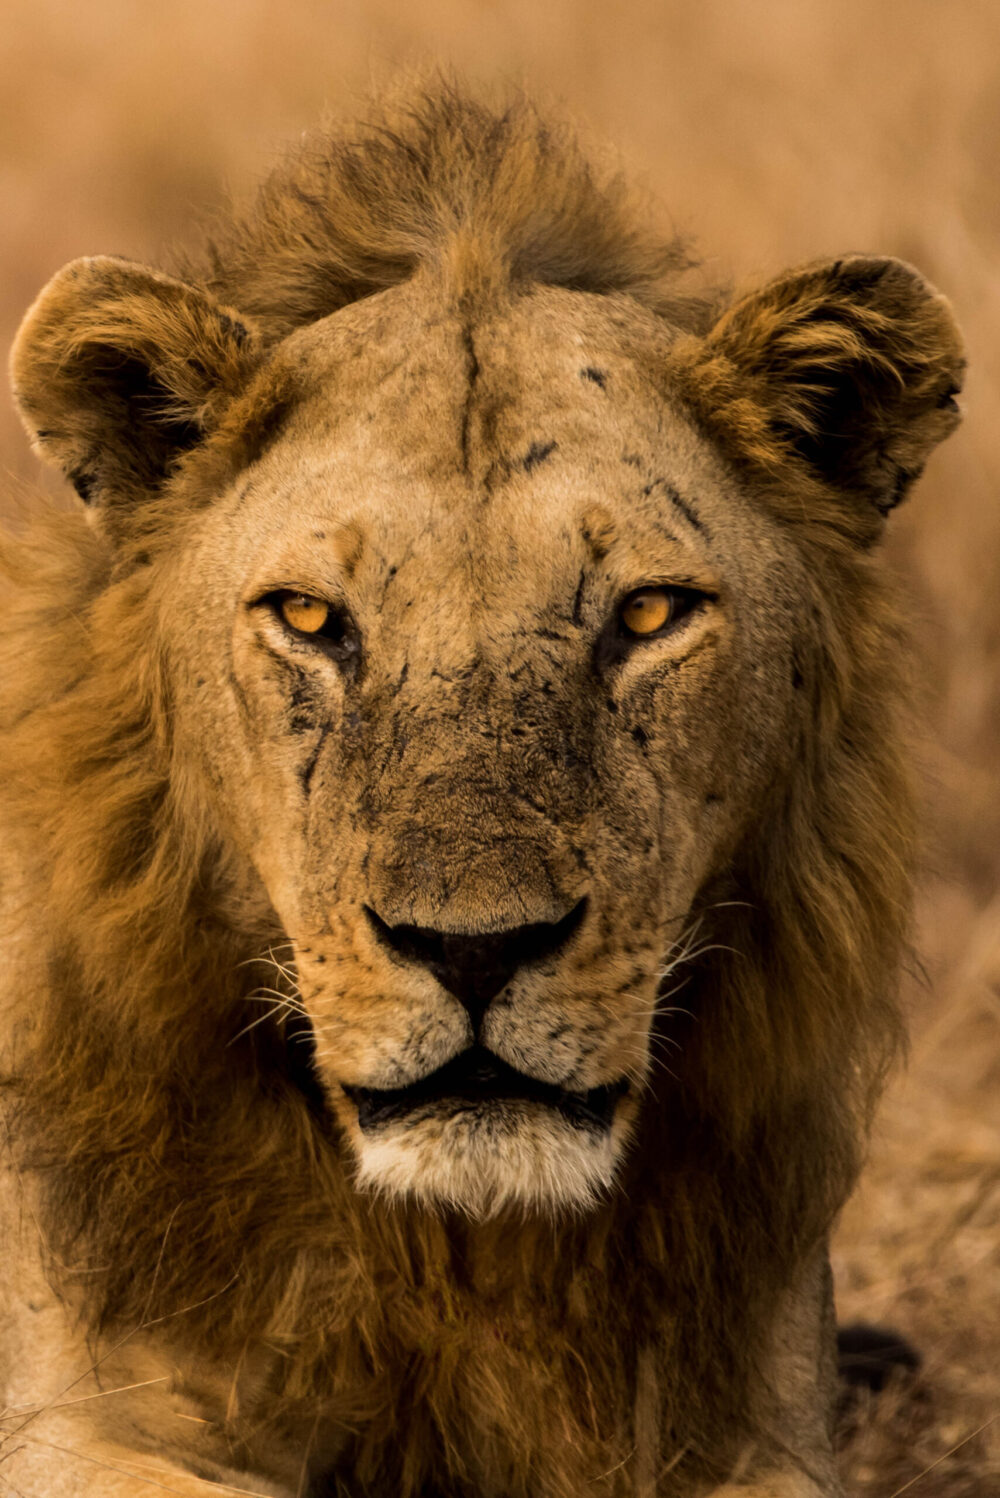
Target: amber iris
306,614
647,610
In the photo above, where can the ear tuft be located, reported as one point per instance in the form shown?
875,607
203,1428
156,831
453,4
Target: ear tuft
850,367
118,370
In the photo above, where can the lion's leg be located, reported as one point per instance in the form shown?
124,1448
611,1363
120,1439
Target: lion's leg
72,1427
778,1485
56,1462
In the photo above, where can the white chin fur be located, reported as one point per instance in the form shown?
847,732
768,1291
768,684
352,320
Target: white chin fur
486,1161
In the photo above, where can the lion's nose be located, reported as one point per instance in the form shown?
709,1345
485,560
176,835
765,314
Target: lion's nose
475,966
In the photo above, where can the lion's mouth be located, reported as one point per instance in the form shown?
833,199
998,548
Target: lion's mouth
476,1079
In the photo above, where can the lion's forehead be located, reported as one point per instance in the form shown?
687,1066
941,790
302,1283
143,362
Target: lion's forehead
506,452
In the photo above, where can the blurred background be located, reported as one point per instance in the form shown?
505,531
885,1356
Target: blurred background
772,131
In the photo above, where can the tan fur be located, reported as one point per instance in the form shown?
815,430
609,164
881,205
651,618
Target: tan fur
443,378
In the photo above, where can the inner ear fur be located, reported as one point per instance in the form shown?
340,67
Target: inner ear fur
850,366
118,370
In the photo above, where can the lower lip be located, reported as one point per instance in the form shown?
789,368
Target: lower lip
474,1082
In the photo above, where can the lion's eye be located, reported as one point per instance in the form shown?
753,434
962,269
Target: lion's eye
313,617
649,609
308,618
306,614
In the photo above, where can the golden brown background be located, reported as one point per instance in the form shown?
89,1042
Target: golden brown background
774,131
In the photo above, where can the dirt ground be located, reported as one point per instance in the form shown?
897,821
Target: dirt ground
772,131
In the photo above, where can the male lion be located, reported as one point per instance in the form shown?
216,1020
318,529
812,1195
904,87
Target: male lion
457,839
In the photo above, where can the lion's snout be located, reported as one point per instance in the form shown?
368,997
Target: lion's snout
473,849
475,966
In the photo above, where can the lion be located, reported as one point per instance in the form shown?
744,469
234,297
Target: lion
458,836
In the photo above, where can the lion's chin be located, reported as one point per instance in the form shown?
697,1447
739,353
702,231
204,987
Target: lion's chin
491,1158
482,1137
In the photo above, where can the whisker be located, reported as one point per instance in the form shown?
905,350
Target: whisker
280,1006
261,994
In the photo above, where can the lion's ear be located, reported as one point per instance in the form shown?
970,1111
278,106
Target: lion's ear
118,370
849,365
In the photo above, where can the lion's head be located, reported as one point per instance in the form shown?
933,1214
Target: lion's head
502,631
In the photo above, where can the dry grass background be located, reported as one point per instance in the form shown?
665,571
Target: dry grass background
774,130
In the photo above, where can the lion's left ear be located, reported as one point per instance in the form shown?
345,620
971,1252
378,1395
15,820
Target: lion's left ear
851,366
118,370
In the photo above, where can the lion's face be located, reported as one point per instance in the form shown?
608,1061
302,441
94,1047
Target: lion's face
551,682
486,659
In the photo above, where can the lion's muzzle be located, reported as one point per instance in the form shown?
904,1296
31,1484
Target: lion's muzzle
505,1121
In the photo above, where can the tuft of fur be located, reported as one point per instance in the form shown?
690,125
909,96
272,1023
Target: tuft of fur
441,181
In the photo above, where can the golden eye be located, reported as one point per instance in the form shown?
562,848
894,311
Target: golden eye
304,613
647,610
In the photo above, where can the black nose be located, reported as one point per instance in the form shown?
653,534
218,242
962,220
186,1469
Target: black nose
475,966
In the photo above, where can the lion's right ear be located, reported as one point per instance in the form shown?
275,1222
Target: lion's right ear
118,370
